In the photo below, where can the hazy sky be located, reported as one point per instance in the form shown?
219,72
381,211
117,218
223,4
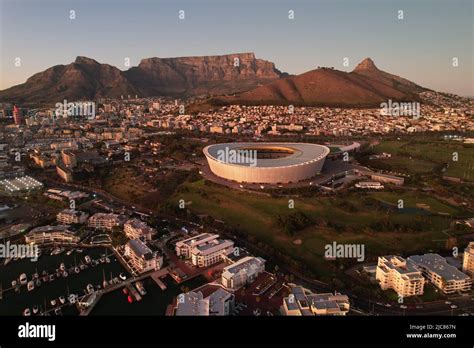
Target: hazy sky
420,47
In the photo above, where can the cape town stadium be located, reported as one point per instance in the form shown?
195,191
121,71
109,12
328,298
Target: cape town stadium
269,163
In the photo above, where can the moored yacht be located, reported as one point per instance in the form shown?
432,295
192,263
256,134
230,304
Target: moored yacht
90,288
140,288
23,279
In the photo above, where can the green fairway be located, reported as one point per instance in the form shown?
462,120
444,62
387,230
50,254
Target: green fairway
413,200
424,156
353,218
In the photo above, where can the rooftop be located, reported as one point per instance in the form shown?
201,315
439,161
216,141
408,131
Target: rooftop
244,264
140,249
22,183
437,264
297,153
212,246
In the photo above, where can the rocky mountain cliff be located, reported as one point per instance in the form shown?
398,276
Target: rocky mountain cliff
201,75
85,78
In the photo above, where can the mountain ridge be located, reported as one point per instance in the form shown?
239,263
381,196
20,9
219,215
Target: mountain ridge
232,78
365,86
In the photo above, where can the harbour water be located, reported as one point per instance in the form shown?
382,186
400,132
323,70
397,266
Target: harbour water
154,302
116,302
13,303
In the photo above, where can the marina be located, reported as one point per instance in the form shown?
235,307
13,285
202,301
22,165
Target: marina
85,282
155,302
56,280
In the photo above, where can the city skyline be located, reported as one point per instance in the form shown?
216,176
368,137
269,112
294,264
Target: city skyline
321,34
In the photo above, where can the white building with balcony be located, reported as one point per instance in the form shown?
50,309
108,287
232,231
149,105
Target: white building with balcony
242,272
303,302
444,276
394,272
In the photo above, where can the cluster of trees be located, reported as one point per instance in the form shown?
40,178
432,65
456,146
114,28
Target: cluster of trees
416,225
294,222
173,180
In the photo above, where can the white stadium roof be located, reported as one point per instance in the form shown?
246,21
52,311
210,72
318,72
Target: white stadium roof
298,153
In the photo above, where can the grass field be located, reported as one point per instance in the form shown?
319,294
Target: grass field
424,156
352,218
411,199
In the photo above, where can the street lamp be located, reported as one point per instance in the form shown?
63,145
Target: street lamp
404,308
453,307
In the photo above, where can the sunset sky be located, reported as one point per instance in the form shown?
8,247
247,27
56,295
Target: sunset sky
420,47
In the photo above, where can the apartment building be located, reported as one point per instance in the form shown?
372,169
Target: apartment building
394,272
72,158
59,234
303,302
468,260
183,248
64,173
207,254
43,161
444,276
102,221
71,216
135,228
242,272
141,257
206,301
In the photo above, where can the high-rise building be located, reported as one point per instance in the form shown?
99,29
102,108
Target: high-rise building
16,115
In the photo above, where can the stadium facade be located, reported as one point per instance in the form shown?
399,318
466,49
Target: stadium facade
269,163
